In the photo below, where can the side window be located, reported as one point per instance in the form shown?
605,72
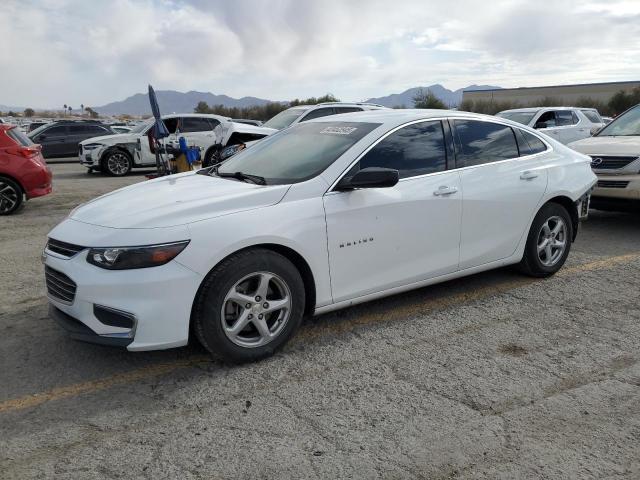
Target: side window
414,150
195,124
484,142
347,109
97,129
523,145
546,120
320,112
564,118
56,131
535,144
171,124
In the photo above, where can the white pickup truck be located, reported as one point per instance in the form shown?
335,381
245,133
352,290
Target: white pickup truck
118,154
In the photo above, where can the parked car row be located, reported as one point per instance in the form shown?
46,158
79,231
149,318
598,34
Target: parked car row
118,154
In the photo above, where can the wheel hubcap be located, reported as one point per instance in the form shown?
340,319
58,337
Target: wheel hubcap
552,241
8,197
118,163
256,309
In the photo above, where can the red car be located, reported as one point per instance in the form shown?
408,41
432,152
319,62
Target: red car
23,171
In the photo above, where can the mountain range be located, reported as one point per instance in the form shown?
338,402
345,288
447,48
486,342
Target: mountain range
171,101
451,98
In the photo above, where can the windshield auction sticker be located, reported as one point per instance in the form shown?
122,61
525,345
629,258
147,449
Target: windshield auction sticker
339,130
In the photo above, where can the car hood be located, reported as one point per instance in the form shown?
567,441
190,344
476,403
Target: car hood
112,139
176,200
608,145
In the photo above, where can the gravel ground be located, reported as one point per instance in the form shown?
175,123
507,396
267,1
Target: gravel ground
492,376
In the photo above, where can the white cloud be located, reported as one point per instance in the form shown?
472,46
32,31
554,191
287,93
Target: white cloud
93,52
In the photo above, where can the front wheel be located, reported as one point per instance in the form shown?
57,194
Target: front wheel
11,196
549,241
249,306
117,163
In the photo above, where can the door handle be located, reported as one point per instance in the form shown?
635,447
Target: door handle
444,190
528,175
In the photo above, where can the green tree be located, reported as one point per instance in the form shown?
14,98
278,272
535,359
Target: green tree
426,99
29,112
202,107
92,113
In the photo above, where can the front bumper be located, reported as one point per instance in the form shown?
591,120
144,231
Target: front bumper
618,187
159,299
90,158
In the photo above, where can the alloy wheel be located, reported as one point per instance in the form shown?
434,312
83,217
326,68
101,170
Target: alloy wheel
9,197
552,241
256,309
118,163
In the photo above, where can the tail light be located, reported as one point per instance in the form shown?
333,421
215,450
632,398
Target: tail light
26,152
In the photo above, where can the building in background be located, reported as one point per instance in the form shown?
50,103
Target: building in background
567,94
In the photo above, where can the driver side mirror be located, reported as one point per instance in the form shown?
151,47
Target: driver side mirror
372,177
540,125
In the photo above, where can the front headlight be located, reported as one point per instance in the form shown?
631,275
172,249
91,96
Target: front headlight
92,146
123,258
231,150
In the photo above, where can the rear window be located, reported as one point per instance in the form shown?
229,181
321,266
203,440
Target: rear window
298,153
594,117
520,117
19,137
284,119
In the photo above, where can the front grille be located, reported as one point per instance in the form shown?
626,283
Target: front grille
612,184
63,248
603,162
59,285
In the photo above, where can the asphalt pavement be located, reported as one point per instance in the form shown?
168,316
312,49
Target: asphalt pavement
492,376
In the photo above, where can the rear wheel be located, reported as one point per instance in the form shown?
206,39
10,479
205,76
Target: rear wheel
11,196
211,157
117,163
249,306
549,241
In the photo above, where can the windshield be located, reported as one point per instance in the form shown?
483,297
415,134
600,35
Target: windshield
627,124
141,127
284,119
298,153
35,132
520,117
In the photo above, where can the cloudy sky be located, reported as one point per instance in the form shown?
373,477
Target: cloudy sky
98,51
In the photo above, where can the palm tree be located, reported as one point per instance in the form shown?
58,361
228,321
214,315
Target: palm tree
70,109
65,108
82,109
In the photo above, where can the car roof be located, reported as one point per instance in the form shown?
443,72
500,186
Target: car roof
394,117
196,115
537,109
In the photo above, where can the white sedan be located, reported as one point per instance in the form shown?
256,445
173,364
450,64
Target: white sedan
321,216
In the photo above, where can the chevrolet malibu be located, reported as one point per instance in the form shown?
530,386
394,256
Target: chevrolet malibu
323,215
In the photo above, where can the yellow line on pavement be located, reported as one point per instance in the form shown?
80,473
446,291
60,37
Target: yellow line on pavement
101,384
391,313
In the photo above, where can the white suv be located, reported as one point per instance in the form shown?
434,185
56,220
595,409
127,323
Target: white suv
302,113
615,159
564,124
118,154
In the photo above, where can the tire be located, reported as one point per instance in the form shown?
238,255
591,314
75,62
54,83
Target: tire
266,327
543,255
117,163
11,196
211,156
